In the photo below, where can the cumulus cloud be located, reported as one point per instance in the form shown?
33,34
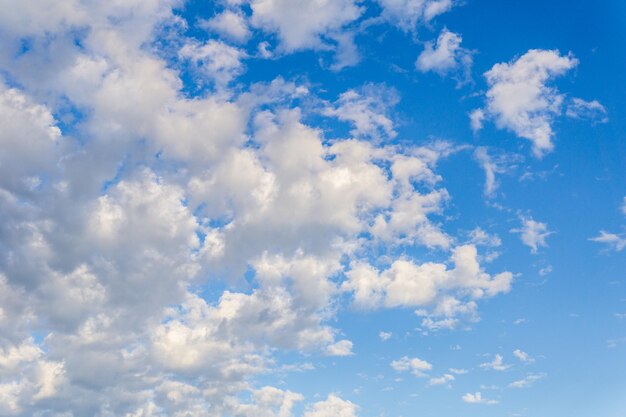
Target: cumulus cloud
533,234
523,356
159,253
230,24
406,284
408,14
302,24
416,366
477,398
215,60
384,336
520,98
497,364
444,379
333,406
445,56
367,110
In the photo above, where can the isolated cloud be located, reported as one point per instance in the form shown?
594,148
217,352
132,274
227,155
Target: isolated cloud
591,110
533,234
446,56
612,240
416,366
521,100
497,364
477,398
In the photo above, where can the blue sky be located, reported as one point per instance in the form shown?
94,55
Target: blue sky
298,208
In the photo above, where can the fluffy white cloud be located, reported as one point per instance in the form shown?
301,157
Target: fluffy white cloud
520,98
405,284
523,356
230,24
477,398
497,364
533,234
333,406
407,14
31,141
416,366
302,24
384,336
444,379
215,60
112,232
445,56
367,110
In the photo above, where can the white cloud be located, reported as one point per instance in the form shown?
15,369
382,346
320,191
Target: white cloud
591,110
614,241
367,109
408,14
416,366
384,336
497,364
341,348
479,237
215,60
444,379
623,207
527,381
519,98
406,284
533,234
230,24
112,232
491,168
523,356
445,56
333,406
477,398
302,24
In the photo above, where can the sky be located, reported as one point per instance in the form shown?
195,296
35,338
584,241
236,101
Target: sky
312,208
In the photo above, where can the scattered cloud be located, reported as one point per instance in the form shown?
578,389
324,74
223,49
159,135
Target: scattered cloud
527,381
446,56
384,336
533,234
416,366
612,240
477,398
444,379
590,110
497,364
521,100
523,356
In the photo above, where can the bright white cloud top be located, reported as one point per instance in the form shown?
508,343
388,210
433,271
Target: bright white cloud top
276,208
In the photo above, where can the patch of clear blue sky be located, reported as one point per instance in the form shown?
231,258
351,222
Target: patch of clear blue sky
569,313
